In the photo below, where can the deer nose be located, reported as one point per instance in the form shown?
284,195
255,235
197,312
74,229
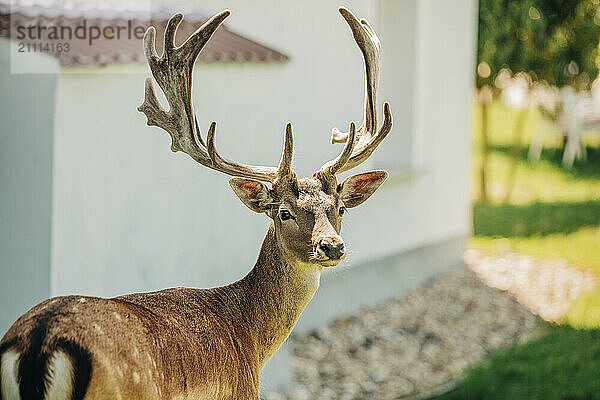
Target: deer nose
332,247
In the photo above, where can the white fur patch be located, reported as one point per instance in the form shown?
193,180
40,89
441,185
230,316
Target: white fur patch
97,327
8,366
60,372
310,274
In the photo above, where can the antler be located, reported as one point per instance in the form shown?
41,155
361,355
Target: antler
173,73
367,137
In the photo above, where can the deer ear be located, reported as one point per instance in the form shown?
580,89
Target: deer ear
356,189
254,194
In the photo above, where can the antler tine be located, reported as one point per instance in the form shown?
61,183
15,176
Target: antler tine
363,150
149,47
173,73
220,163
368,136
333,166
170,32
285,165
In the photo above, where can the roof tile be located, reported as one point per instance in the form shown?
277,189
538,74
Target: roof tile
20,22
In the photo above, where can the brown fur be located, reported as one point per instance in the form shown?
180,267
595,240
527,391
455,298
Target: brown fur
196,343
182,342
179,341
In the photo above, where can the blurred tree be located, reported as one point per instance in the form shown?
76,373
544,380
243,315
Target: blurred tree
553,41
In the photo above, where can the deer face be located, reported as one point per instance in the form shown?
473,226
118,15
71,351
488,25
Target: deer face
307,213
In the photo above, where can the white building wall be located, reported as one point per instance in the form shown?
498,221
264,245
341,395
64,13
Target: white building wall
26,124
131,215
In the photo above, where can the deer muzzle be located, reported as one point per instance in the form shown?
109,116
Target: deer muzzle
330,248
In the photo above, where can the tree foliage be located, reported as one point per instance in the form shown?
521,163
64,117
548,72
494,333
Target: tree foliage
552,40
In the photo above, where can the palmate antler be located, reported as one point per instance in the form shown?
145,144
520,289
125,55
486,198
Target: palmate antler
173,73
360,144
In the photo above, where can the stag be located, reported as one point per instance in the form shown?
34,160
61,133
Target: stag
203,343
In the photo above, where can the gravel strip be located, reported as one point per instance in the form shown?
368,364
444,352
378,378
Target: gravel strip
410,345
546,287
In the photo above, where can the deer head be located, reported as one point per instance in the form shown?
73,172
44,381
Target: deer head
306,213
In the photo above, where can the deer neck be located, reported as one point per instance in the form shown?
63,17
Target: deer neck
278,290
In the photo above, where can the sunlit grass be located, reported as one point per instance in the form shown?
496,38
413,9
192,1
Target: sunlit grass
544,181
502,120
580,248
584,311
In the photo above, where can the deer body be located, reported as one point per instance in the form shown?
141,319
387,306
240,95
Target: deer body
202,343
176,343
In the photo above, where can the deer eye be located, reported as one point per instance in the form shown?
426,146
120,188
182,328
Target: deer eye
342,210
285,215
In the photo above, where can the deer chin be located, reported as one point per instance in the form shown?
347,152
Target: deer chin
331,263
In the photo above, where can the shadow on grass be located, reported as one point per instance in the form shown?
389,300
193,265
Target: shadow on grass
507,220
581,169
561,364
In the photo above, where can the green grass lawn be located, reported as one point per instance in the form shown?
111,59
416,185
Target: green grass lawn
552,213
564,363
